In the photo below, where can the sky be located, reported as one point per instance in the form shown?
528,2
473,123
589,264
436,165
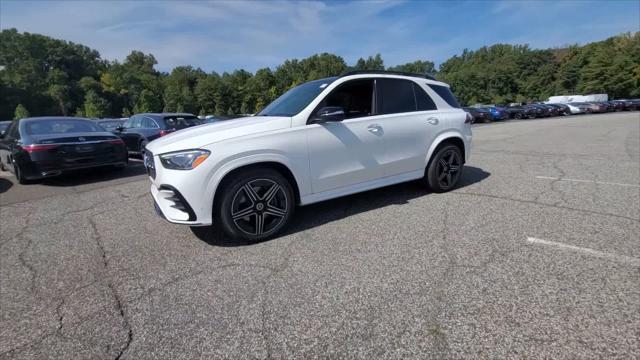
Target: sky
227,35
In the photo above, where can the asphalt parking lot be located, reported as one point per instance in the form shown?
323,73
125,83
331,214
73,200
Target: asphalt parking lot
536,255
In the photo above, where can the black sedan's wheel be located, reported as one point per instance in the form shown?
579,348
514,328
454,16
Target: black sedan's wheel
255,204
444,169
19,175
518,116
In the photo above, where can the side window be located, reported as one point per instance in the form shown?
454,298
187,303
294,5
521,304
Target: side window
148,123
136,122
355,97
423,100
395,96
127,123
446,94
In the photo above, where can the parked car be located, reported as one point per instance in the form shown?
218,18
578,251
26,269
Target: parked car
544,110
518,111
320,140
561,109
593,107
577,108
479,114
498,113
4,125
36,148
141,129
110,124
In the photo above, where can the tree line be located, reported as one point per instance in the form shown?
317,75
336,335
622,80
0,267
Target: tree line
40,75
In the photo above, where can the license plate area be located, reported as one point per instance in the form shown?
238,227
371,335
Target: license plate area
85,148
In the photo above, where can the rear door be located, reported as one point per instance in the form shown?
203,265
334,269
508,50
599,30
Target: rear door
130,134
411,122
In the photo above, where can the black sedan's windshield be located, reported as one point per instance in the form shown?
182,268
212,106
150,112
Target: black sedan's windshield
296,99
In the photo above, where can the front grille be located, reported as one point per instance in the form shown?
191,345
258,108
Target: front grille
149,164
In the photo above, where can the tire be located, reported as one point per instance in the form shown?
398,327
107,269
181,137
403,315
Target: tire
263,195
445,169
19,176
518,116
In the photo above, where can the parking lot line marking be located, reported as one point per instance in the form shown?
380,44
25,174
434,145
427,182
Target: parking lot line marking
587,181
600,254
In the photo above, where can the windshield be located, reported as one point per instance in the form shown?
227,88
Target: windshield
296,99
59,126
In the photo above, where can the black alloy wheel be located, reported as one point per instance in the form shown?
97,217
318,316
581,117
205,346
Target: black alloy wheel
256,204
445,169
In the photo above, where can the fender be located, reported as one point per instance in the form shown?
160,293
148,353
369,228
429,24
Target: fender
447,134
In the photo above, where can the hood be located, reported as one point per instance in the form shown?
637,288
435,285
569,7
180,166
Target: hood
203,135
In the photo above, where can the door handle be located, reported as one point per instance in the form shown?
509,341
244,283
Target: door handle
433,121
374,128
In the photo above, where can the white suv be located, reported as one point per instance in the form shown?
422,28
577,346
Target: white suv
321,140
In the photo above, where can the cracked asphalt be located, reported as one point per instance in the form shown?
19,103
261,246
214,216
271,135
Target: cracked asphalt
87,270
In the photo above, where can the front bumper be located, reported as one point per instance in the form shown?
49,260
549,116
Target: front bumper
178,194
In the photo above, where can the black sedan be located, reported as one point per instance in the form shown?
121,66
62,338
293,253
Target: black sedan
36,148
479,114
521,111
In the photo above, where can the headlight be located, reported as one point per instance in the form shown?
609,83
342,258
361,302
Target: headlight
184,160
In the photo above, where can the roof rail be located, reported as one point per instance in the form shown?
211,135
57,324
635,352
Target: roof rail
384,72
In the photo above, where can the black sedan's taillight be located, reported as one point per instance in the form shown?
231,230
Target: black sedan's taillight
39,147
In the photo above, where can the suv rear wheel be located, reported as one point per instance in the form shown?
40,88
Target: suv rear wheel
255,204
444,169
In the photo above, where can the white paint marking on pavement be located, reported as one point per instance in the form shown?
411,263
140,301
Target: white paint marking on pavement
600,254
587,181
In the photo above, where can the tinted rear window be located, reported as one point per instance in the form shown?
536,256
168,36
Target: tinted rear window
423,100
445,93
395,96
54,126
181,122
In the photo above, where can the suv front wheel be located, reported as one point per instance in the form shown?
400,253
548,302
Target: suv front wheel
255,204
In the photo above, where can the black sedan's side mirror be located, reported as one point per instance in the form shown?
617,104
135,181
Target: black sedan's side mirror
329,114
119,128
3,133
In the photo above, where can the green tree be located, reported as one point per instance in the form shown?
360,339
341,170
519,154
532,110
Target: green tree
21,112
416,67
95,106
147,102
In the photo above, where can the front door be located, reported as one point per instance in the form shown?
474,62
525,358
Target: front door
347,152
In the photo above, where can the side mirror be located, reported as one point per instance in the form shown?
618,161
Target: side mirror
119,128
329,114
3,133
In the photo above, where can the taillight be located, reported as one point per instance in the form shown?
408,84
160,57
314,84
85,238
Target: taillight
165,132
117,141
469,119
39,147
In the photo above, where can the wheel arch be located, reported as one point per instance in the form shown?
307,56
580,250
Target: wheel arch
444,140
266,164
